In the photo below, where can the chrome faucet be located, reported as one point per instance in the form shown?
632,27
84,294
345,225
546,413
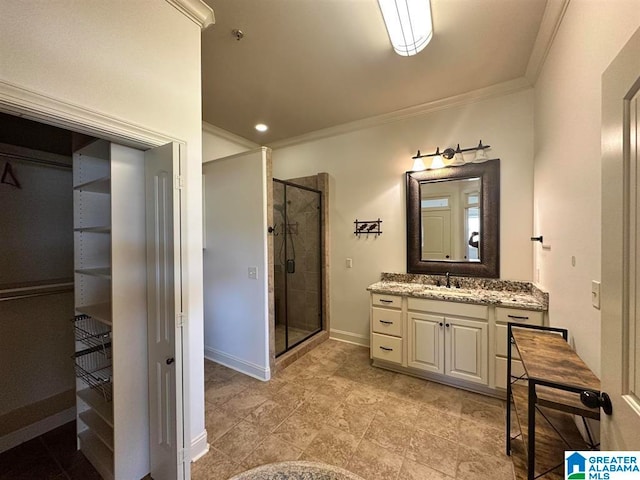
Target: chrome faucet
448,279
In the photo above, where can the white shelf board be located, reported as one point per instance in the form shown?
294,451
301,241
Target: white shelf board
97,402
99,229
102,272
99,185
97,453
99,427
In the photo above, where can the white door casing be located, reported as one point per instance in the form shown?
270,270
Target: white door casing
164,295
620,345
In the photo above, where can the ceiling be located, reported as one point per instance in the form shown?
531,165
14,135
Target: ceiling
306,65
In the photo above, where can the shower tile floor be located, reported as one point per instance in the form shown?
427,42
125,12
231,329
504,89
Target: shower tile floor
295,335
331,406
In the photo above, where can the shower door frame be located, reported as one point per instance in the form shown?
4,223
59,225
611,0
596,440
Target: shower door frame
321,272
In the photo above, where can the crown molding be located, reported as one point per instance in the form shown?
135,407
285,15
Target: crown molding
497,90
22,102
196,10
551,20
227,135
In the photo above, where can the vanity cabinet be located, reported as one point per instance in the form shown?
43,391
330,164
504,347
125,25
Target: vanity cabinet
504,316
386,328
448,338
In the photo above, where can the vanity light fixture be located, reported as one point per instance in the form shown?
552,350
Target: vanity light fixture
418,164
448,154
261,127
408,24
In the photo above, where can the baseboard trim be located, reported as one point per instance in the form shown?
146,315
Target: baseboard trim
349,337
238,364
36,429
199,446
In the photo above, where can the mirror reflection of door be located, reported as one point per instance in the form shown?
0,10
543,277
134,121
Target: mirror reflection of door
436,228
450,220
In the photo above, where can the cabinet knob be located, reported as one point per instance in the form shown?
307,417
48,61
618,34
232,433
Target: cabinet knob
447,325
170,360
441,323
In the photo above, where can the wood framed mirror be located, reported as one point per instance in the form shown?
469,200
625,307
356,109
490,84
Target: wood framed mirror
453,220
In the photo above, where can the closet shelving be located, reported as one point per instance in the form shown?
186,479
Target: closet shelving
93,322
110,309
93,367
92,332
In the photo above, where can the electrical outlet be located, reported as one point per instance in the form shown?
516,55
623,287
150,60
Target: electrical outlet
595,294
349,263
253,273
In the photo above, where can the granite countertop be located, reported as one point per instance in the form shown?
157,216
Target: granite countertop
479,291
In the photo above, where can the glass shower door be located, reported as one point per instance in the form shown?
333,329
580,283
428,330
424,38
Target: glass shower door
297,264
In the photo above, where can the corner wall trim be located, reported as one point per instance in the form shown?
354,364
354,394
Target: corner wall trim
227,135
349,337
238,364
199,446
551,20
505,88
195,10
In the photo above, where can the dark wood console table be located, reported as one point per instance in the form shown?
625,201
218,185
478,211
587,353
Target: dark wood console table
546,397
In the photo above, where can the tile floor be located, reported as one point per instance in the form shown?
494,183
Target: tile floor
52,456
332,406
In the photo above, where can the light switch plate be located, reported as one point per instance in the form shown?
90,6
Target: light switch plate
253,273
595,294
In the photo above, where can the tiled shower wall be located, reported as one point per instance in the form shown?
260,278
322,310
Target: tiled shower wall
303,228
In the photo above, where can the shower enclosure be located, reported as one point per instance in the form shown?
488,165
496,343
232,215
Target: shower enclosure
297,252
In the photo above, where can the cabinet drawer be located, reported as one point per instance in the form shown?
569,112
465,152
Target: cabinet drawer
386,348
521,316
501,371
389,301
386,321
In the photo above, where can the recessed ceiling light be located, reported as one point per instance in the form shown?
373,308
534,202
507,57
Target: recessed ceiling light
261,127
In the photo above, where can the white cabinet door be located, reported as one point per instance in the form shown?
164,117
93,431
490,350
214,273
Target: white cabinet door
426,342
466,345
162,169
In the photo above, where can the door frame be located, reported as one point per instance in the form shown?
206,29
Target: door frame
620,76
26,103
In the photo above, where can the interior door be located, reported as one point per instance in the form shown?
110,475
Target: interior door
436,234
164,295
621,249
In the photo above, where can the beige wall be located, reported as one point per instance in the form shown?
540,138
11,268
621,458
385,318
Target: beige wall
567,162
236,306
138,62
367,168
217,143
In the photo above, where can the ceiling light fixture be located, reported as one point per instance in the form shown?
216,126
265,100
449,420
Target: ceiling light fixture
408,23
261,127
